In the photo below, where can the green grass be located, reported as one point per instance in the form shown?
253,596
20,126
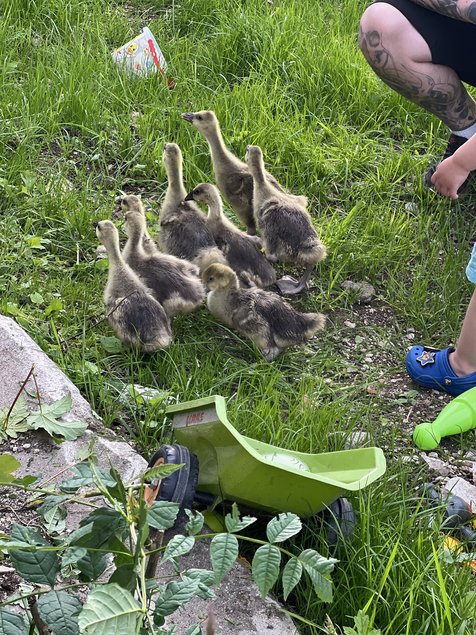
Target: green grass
289,77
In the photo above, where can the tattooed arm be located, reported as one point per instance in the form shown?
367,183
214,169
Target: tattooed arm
464,10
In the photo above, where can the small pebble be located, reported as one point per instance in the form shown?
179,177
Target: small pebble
411,207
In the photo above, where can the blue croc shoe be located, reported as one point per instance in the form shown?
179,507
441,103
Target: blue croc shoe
429,367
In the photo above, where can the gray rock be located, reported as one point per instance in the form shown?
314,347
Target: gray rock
437,465
463,489
19,353
357,439
364,290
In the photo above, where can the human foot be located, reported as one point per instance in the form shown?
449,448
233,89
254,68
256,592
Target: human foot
431,368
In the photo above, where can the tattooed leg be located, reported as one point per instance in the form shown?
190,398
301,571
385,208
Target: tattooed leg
399,55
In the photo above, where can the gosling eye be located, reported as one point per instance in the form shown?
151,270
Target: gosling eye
199,117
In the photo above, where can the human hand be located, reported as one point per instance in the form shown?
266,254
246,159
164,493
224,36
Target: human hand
448,177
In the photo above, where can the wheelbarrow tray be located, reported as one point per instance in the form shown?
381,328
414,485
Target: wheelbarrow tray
236,468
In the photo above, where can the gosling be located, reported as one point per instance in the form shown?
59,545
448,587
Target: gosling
135,315
242,253
175,283
265,318
231,175
285,225
183,230
132,203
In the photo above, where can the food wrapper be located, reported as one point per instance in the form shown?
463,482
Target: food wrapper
143,56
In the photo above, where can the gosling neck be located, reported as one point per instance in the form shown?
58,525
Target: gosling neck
175,186
256,167
215,208
135,235
218,148
114,252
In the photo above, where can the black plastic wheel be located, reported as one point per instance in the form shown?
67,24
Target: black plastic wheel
180,486
339,521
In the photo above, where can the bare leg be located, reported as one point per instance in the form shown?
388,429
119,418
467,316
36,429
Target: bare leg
402,59
463,359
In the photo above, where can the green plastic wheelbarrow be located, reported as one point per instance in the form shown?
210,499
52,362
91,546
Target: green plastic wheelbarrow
220,464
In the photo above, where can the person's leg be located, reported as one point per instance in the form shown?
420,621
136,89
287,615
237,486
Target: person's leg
401,57
463,359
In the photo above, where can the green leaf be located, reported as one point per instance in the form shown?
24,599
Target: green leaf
205,578
194,630
111,344
36,242
234,523
362,623
175,595
292,573
162,514
16,421
34,565
36,298
54,513
92,565
47,418
204,575
125,576
195,522
161,471
223,553
283,527
178,546
12,624
59,611
362,626
8,465
265,567
117,490
72,555
83,476
318,568
106,523
53,307
110,609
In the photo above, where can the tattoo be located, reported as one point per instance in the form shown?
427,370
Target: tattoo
451,9
447,100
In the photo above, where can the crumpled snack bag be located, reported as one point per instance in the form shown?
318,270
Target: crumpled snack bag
143,56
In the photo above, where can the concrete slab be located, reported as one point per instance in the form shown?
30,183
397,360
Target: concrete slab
238,608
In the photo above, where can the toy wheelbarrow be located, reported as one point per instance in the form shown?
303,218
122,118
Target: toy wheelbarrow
220,464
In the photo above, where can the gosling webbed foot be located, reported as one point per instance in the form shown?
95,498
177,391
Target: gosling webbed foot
290,286
271,353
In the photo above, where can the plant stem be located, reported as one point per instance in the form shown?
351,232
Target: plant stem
40,625
17,396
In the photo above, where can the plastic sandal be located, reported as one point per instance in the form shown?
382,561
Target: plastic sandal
429,367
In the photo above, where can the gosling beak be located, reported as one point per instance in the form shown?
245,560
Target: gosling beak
188,116
95,224
189,197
